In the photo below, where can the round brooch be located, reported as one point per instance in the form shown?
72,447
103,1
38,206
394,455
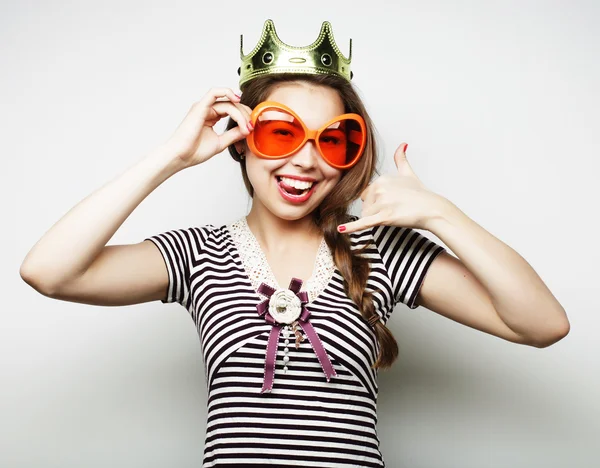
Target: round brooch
284,306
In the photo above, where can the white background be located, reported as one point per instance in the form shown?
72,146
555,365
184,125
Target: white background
499,104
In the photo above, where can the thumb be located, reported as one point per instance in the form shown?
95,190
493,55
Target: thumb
230,137
402,164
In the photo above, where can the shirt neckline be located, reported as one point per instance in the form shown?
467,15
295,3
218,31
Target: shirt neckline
259,271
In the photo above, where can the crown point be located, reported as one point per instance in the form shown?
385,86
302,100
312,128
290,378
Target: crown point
272,56
269,25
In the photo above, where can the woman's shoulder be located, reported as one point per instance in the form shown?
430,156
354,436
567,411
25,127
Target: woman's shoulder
198,234
216,229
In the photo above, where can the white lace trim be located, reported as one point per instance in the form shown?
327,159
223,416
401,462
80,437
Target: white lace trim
258,269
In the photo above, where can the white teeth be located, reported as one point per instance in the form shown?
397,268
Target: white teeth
298,184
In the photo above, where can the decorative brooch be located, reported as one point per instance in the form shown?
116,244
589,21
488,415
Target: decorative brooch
286,309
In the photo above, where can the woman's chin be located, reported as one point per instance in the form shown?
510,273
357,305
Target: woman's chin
288,207
291,213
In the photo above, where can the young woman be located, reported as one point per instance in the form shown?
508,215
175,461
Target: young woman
291,301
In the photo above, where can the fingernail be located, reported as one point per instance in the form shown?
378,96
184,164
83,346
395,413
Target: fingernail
406,147
341,228
250,126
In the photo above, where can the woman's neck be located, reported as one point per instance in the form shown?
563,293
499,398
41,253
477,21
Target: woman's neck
276,234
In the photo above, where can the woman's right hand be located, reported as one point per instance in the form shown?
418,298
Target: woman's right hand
195,140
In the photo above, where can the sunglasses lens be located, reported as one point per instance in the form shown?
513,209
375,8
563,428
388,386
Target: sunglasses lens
341,143
277,133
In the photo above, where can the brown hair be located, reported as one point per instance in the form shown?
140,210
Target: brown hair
333,210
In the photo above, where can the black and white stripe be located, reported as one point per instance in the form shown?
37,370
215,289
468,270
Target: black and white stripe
305,420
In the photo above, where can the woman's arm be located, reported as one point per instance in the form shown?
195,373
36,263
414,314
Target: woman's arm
490,286
66,252
72,244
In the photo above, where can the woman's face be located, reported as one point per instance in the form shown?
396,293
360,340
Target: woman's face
273,179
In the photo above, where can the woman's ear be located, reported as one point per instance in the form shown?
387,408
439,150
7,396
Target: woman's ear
239,147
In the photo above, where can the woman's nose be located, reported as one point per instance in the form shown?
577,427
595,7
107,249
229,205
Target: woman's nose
307,156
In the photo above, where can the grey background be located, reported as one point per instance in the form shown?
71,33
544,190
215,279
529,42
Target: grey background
499,104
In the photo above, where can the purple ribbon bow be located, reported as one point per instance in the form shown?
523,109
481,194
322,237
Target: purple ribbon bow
302,319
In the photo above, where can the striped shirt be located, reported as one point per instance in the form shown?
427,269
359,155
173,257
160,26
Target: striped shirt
305,420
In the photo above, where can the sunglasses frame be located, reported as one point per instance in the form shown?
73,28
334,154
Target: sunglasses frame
309,134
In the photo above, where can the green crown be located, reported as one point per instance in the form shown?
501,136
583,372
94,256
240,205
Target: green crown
271,55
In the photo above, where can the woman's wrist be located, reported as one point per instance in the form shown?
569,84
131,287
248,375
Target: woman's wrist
165,161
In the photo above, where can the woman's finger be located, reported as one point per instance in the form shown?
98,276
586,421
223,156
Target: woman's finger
202,109
215,93
246,112
235,133
361,223
223,109
230,137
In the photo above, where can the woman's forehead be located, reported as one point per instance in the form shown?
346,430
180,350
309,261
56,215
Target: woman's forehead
315,105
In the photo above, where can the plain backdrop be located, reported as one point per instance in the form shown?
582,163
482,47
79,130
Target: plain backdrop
499,104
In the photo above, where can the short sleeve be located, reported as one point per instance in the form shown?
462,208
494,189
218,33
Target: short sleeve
406,255
180,249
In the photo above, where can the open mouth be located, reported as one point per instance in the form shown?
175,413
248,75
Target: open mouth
295,190
294,186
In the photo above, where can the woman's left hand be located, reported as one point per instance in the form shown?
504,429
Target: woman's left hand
399,200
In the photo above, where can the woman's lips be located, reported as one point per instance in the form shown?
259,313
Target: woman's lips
294,198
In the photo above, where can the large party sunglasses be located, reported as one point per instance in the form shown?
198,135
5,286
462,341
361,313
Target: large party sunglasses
279,132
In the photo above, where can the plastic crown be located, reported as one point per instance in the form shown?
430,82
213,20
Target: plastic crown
271,56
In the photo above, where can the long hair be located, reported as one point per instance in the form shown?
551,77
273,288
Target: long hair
333,210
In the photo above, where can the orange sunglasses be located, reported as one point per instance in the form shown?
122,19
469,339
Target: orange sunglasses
279,132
